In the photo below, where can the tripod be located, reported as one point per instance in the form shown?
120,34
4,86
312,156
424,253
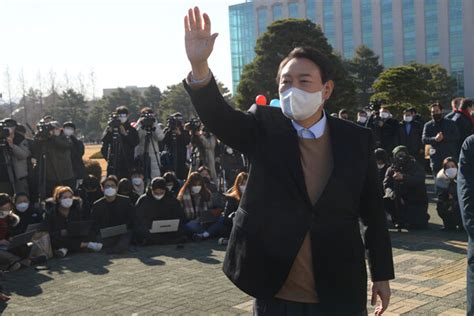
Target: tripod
146,157
6,162
41,168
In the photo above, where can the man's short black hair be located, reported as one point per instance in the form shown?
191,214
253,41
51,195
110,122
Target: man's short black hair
436,104
465,103
137,170
412,110
121,109
310,53
69,124
110,178
4,199
343,111
362,112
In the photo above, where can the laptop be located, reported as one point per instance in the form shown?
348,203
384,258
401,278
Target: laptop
207,217
164,226
32,227
79,229
113,231
21,239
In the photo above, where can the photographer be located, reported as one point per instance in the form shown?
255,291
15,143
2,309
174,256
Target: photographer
14,151
409,135
77,151
52,152
384,127
232,162
175,142
118,144
149,133
405,187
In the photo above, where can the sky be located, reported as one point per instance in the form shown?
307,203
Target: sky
123,42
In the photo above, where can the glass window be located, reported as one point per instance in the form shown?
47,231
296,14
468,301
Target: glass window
456,48
293,10
366,23
431,27
311,10
387,33
409,31
262,20
348,43
328,22
277,11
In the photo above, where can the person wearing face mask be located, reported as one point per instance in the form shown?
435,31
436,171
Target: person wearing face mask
442,135
89,192
232,162
300,212
57,162
385,130
195,198
464,121
409,135
8,220
27,213
125,188
158,204
64,208
448,204
381,158
77,151
233,197
404,185
173,185
124,147
113,210
137,181
362,118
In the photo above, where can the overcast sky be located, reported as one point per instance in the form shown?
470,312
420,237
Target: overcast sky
124,42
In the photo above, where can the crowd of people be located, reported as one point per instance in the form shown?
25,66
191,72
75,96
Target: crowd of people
182,173
400,156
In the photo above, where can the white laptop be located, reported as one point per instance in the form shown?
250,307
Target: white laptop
165,226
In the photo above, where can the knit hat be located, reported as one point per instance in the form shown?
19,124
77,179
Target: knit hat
400,149
158,183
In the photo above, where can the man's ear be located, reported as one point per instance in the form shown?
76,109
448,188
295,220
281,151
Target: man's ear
328,88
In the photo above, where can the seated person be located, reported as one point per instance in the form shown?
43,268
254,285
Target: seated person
89,192
137,181
8,260
126,188
64,208
448,205
196,199
113,210
172,183
233,200
206,176
156,205
26,212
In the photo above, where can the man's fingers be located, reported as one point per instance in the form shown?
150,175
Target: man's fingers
207,22
186,24
214,36
197,17
385,301
192,21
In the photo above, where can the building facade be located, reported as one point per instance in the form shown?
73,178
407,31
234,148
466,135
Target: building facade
399,31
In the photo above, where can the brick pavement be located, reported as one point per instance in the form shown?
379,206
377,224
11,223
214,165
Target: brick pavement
430,269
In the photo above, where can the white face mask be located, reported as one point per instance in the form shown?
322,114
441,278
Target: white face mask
362,119
68,131
158,197
22,207
451,172
123,118
384,115
297,104
196,189
380,166
408,118
169,187
230,151
137,181
66,203
242,188
57,132
110,192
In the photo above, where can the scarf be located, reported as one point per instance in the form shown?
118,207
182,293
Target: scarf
193,210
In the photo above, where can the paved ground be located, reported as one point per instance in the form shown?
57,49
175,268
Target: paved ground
430,269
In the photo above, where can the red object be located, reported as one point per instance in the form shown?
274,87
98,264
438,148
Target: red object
261,100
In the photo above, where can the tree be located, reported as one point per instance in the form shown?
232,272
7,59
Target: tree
152,97
282,36
71,106
364,69
414,85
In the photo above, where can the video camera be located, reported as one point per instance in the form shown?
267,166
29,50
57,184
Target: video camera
375,105
114,121
173,123
43,130
4,133
148,121
193,125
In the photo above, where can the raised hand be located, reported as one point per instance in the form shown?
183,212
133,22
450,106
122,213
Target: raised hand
199,41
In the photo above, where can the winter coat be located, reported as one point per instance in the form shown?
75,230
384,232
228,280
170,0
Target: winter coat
447,147
157,136
77,151
58,157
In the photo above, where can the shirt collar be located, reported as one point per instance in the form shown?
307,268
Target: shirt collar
314,131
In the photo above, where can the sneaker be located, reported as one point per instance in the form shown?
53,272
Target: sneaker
61,253
223,241
95,246
14,267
